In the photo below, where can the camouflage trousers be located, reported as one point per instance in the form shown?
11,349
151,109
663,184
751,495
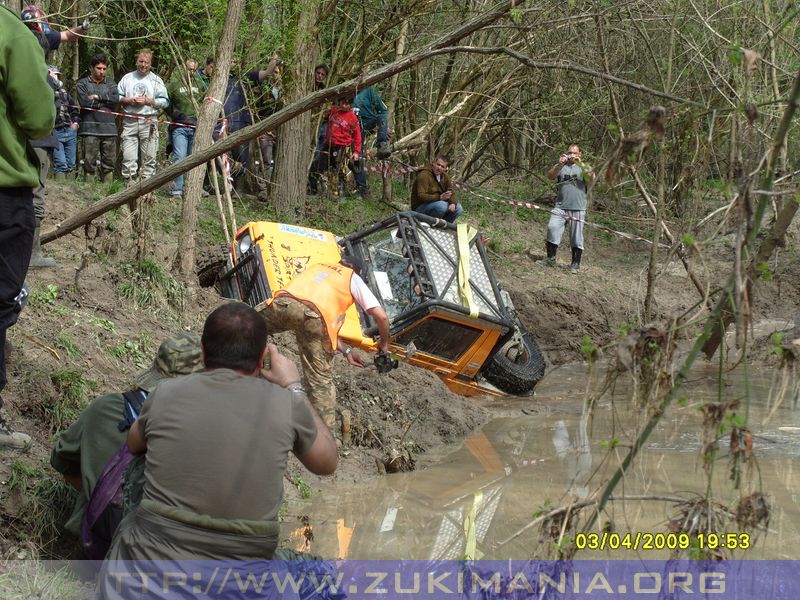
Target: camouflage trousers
288,314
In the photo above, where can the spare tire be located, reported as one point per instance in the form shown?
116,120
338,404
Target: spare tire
209,264
518,375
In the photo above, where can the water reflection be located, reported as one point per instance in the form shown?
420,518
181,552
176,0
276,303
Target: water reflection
480,500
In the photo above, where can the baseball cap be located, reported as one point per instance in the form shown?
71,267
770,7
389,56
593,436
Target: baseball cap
177,355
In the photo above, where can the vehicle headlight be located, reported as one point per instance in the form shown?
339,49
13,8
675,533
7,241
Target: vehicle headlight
244,243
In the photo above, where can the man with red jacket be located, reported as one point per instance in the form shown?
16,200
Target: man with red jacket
344,133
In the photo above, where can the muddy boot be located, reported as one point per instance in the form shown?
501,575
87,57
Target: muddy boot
550,261
12,439
576,260
39,260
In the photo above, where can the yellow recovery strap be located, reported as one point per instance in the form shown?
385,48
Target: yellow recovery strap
464,234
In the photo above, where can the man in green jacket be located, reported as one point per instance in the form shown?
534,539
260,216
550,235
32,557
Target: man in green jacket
23,84
185,89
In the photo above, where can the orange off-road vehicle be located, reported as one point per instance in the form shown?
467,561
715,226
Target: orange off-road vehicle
447,311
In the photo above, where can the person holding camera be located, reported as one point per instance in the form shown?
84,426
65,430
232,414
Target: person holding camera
572,176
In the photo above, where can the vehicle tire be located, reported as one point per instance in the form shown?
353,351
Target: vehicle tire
209,264
519,376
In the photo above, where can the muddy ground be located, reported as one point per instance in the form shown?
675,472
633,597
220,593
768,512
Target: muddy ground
94,321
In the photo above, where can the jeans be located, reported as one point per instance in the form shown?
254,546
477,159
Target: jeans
367,125
64,155
439,210
182,142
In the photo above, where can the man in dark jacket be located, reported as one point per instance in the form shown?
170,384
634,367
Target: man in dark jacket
22,86
98,129
66,129
432,192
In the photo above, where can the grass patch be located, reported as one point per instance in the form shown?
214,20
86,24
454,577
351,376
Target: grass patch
136,350
302,487
66,341
73,389
44,298
148,286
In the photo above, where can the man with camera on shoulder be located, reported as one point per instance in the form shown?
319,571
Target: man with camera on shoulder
573,177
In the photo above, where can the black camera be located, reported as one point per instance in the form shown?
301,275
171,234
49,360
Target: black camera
385,363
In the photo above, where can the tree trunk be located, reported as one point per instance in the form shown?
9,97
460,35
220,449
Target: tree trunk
291,172
392,104
207,118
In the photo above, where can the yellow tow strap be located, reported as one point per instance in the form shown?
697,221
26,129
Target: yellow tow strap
471,551
464,234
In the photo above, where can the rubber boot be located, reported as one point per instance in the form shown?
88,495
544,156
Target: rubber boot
39,260
550,261
576,260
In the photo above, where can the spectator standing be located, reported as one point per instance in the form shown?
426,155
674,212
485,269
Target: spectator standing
142,94
572,176
186,89
217,445
266,84
238,115
321,76
432,192
67,122
372,115
342,139
26,116
98,127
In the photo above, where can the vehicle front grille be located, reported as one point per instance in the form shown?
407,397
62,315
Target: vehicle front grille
250,276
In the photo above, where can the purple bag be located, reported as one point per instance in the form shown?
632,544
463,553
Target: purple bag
105,502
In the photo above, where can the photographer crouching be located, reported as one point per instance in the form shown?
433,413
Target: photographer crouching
573,177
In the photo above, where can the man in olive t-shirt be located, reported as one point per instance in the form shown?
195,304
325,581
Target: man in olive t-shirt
217,444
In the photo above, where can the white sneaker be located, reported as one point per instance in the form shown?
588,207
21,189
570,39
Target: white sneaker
13,439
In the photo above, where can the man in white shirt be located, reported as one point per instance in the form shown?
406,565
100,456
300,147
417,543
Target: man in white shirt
141,94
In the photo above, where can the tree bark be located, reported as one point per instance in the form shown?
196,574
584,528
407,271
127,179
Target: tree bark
291,171
441,46
207,119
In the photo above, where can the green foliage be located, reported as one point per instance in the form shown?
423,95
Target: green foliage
546,507
302,487
609,444
764,272
103,324
66,341
135,350
775,343
147,286
589,349
44,298
73,389
688,240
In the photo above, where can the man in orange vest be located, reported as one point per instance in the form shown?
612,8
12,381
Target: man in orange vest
313,306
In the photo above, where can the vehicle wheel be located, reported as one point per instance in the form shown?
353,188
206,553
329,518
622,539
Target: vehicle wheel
209,264
516,376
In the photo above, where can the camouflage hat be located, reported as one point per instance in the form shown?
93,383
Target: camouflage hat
177,355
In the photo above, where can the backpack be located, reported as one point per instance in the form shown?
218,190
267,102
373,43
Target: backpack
104,511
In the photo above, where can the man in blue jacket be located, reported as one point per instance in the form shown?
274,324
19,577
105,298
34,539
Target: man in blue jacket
372,114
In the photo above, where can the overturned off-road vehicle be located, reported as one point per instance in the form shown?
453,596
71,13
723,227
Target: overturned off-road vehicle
448,313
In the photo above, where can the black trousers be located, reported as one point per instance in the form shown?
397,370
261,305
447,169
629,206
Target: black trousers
16,242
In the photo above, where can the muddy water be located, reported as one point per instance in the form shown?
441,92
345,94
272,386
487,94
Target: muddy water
487,491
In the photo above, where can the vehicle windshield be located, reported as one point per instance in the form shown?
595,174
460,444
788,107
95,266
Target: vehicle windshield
390,276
